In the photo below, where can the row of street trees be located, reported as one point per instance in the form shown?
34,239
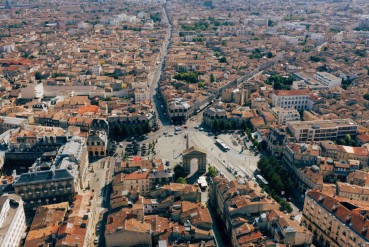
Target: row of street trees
120,131
278,178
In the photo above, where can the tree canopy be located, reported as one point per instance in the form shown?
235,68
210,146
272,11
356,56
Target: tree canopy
181,180
280,82
190,77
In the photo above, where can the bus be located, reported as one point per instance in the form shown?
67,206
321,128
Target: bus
222,145
261,179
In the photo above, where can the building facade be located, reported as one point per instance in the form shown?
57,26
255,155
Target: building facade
45,187
12,220
297,99
335,222
328,79
321,130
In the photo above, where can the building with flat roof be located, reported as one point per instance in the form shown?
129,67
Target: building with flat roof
7,123
285,115
12,220
328,79
320,130
297,99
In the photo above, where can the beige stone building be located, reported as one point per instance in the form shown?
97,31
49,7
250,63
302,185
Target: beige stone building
321,130
336,222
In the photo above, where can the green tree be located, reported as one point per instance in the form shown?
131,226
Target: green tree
212,78
233,124
38,76
179,171
222,60
341,141
348,139
212,171
221,125
215,126
181,180
269,55
366,96
190,77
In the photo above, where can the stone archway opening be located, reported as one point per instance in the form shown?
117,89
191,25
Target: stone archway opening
191,155
194,164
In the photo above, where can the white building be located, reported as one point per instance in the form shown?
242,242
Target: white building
297,99
96,70
328,79
286,115
12,220
320,130
7,47
141,95
299,85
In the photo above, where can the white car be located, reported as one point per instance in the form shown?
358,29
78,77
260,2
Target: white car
177,128
201,129
196,127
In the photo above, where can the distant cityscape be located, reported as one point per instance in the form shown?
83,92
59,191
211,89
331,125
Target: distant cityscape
196,123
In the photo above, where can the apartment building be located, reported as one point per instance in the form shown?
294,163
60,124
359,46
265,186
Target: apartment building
44,187
336,222
73,157
288,231
352,192
239,197
297,99
285,115
320,130
301,160
97,144
301,154
7,123
328,79
275,140
141,95
79,226
353,153
138,181
127,228
179,110
214,114
12,220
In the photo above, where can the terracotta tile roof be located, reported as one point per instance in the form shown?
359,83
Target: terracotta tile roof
250,238
344,210
290,92
91,108
136,175
46,223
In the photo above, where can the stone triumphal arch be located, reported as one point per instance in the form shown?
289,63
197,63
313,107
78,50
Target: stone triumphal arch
194,153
